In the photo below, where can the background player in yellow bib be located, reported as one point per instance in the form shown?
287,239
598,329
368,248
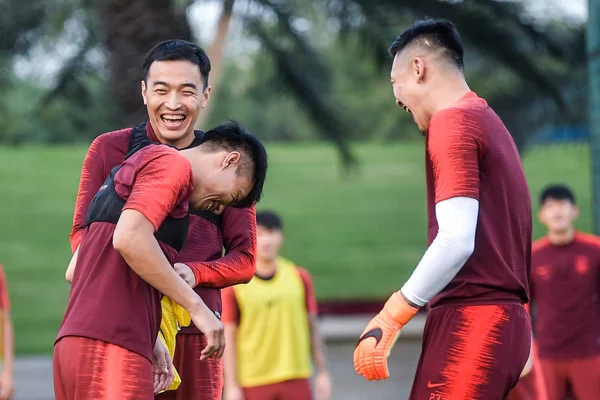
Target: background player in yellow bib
271,327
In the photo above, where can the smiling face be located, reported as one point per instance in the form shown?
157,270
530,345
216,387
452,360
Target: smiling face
558,215
219,183
407,77
174,96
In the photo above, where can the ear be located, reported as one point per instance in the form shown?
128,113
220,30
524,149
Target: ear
540,215
144,93
418,66
231,160
206,97
575,212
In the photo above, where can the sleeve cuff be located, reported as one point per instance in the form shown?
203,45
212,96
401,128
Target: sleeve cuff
195,267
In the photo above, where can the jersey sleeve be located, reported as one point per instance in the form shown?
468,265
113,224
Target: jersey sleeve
105,152
4,298
309,291
455,143
161,186
92,177
231,309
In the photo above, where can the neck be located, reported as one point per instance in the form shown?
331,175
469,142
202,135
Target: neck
449,90
181,143
199,160
560,238
266,267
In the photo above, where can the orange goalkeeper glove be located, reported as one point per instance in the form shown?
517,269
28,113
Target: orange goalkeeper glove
380,335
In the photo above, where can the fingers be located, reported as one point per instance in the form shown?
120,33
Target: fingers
215,344
371,363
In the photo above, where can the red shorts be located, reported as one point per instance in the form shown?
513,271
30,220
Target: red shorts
583,376
90,369
294,389
472,352
200,380
532,385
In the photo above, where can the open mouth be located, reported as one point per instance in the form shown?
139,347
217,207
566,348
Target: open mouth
405,108
173,121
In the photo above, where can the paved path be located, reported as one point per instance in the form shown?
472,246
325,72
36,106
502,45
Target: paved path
34,374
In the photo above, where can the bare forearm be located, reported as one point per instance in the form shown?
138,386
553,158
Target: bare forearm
71,268
7,343
318,346
229,358
144,255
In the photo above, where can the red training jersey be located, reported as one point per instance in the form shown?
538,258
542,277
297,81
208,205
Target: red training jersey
470,153
203,250
565,284
108,300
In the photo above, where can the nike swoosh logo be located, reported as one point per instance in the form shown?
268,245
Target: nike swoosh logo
376,333
434,385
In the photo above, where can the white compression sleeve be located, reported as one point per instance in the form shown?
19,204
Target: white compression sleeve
451,248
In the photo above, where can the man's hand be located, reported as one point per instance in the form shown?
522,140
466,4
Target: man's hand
380,335
204,319
162,367
234,393
186,274
323,386
6,386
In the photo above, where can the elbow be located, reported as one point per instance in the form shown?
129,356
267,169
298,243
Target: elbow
123,240
465,248
69,276
247,273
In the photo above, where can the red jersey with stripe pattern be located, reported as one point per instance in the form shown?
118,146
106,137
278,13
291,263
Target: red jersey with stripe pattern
108,300
470,153
203,250
565,284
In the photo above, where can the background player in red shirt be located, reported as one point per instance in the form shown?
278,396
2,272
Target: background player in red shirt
135,226
565,288
6,341
474,274
175,89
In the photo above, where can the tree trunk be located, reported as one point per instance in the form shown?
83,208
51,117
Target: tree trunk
131,29
215,53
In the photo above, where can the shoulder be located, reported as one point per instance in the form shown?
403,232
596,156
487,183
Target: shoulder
540,244
588,239
167,156
463,122
304,274
118,138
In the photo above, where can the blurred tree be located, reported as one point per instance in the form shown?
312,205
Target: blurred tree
125,29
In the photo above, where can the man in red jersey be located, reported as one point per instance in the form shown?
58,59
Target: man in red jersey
175,89
565,284
474,274
135,226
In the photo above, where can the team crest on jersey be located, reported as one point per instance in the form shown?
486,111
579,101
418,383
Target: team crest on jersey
582,264
543,271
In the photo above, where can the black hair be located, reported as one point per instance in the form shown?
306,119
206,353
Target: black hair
269,219
557,192
438,33
174,50
233,137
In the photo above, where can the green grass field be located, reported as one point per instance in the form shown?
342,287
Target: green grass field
360,237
